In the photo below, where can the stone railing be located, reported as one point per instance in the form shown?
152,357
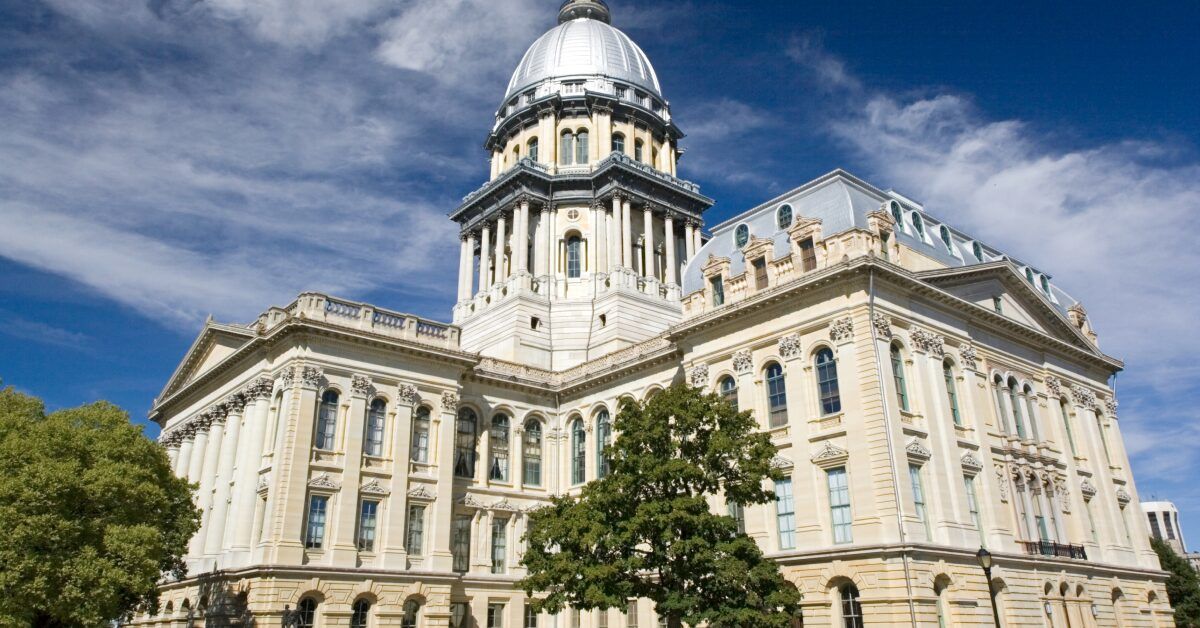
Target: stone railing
363,317
1054,550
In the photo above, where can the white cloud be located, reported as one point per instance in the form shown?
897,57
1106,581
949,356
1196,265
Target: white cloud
307,23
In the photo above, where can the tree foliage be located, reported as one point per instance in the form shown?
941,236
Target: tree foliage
647,530
91,515
1183,585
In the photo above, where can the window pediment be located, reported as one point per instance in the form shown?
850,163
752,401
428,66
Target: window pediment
830,456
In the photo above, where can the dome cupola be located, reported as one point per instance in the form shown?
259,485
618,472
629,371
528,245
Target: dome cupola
590,9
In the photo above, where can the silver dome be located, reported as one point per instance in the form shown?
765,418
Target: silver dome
584,48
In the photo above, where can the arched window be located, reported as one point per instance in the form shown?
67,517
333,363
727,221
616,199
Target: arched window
638,149
898,378
776,395
784,216
412,610
938,589
516,154
827,383
897,214
420,435
574,257
464,445
728,390
581,147
945,231
918,226
533,453
533,149
327,420
603,435
1066,419
741,236
618,143
653,156
360,613
578,453
951,391
306,612
852,615
1045,285
977,249
1029,274
1001,411
566,148
498,448
1030,413
374,437
1016,408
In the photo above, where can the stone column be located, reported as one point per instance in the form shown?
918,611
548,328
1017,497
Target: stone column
208,473
464,268
290,485
593,245
555,262
469,270
485,259
669,243
394,554
440,516
345,517
614,235
183,460
247,464
648,242
199,450
235,405
626,235
689,240
523,239
172,447
501,245
542,248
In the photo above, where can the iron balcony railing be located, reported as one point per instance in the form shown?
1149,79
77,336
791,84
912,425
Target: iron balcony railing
1057,550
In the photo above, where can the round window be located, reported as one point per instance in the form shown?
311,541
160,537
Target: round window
741,236
572,215
785,216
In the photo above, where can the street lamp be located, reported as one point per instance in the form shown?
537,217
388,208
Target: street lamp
985,561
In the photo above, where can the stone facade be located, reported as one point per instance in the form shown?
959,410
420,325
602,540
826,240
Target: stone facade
927,397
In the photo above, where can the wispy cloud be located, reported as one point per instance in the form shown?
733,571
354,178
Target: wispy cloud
39,332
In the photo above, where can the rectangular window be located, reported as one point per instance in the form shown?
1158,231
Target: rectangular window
499,545
1154,529
601,619
760,273
918,490
414,536
808,255
314,533
495,617
738,513
1170,528
531,617
631,615
776,396
973,506
839,505
785,513
420,437
368,516
1023,513
461,542
576,618
718,291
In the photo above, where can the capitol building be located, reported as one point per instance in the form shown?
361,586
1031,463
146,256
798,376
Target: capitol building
928,394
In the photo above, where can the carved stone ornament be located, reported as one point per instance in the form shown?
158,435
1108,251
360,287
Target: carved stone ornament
1083,396
782,463
971,462
373,488
322,481
1087,489
1063,494
263,485
743,361
449,401
969,356
829,454
422,494
235,403
929,342
288,377
407,394
789,347
883,326
917,450
1110,405
842,329
469,501
1123,496
1002,482
699,376
360,385
311,376
505,505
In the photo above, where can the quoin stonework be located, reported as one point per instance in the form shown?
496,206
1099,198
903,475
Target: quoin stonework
928,394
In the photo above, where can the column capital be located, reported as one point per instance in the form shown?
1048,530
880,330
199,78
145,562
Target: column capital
360,385
311,376
235,403
406,395
449,401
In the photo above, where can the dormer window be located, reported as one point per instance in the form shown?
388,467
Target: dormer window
808,255
741,236
718,291
918,226
783,217
1045,285
897,214
1029,275
977,249
945,232
760,273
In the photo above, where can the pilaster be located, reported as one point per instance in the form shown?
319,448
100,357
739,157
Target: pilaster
394,553
441,515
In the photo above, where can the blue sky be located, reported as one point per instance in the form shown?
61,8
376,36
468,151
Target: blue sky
163,160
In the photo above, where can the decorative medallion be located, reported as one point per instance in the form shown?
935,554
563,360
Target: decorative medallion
699,376
323,481
449,401
970,357
743,361
407,394
789,347
373,488
360,385
842,329
929,342
311,376
883,326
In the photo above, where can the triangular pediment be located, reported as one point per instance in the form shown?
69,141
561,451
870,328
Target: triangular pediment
215,343
984,284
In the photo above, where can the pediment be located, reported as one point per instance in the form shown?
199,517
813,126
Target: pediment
1019,301
215,343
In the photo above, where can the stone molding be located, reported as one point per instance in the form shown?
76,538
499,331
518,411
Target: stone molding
421,493
373,488
782,463
830,455
916,450
1087,489
971,462
323,482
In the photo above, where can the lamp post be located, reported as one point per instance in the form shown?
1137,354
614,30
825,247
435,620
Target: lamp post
985,561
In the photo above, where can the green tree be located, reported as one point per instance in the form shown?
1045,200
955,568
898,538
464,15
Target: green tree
1183,585
647,529
92,516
